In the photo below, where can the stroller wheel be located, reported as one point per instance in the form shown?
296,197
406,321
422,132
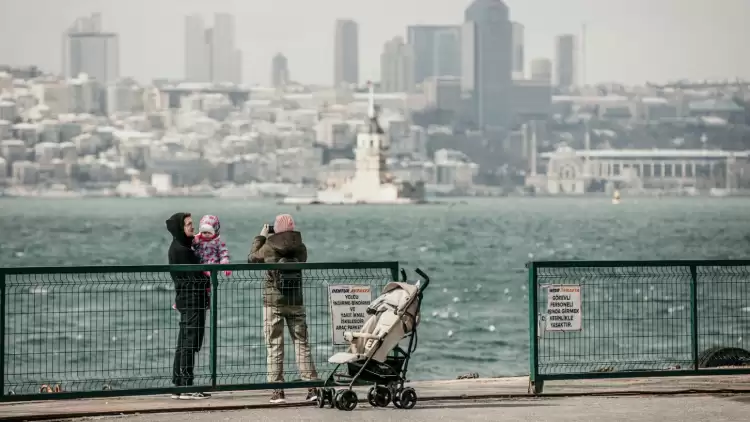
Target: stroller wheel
397,398
337,399
320,400
329,394
371,397
379,396
407,398
347,400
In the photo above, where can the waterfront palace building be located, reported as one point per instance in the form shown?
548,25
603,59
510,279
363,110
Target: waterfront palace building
573,172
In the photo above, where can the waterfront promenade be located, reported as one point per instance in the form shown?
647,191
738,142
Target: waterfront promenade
440,400
589,409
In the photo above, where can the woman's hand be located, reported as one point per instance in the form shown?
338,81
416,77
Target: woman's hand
264,230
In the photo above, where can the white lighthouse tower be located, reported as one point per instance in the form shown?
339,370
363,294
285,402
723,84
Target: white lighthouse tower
371,183
369,154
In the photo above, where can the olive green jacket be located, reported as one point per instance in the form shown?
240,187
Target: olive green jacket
282,287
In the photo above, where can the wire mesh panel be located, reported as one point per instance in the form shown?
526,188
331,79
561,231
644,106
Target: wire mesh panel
640,318
86,332
723,297
117,329
632,318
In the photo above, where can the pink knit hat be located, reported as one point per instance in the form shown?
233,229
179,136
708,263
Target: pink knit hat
283,223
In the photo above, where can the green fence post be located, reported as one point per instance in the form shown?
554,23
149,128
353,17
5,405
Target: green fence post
394,271
214,324
535,384
694,315
3,310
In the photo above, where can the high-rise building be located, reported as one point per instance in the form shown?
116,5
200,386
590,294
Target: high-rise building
518,51
197,50
346,53
87,49
396,65
437,50
489,32
447,52
279,70
225,61
210,53
541,70
565,61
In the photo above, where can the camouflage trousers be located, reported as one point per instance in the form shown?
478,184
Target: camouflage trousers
295,318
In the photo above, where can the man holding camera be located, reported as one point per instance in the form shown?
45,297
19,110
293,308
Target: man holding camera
282,300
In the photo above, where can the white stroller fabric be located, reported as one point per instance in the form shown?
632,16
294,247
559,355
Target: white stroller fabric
395,315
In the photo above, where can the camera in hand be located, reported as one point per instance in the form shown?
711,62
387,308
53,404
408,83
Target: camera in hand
270,229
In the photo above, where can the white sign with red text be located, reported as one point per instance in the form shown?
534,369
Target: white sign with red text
348,309
564,308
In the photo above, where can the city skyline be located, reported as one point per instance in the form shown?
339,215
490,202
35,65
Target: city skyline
151,44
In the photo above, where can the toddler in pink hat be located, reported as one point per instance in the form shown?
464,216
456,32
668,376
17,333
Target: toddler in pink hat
209,246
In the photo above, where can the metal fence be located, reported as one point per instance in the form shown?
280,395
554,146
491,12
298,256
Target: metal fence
623,319
105,331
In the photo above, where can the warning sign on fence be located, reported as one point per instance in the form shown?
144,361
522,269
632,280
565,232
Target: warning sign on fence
348,309
563,308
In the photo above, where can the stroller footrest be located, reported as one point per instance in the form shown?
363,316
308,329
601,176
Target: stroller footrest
344,357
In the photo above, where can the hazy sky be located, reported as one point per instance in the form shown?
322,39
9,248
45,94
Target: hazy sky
630,41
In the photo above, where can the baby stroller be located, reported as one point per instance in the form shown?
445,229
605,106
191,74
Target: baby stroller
394,315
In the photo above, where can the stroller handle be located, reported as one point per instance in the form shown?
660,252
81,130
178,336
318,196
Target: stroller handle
424,276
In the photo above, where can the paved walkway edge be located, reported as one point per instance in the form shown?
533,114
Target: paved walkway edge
466,397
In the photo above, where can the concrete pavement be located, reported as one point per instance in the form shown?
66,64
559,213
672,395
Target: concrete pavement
684,408
429,392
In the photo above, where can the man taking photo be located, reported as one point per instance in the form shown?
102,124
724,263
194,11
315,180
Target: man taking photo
282,301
